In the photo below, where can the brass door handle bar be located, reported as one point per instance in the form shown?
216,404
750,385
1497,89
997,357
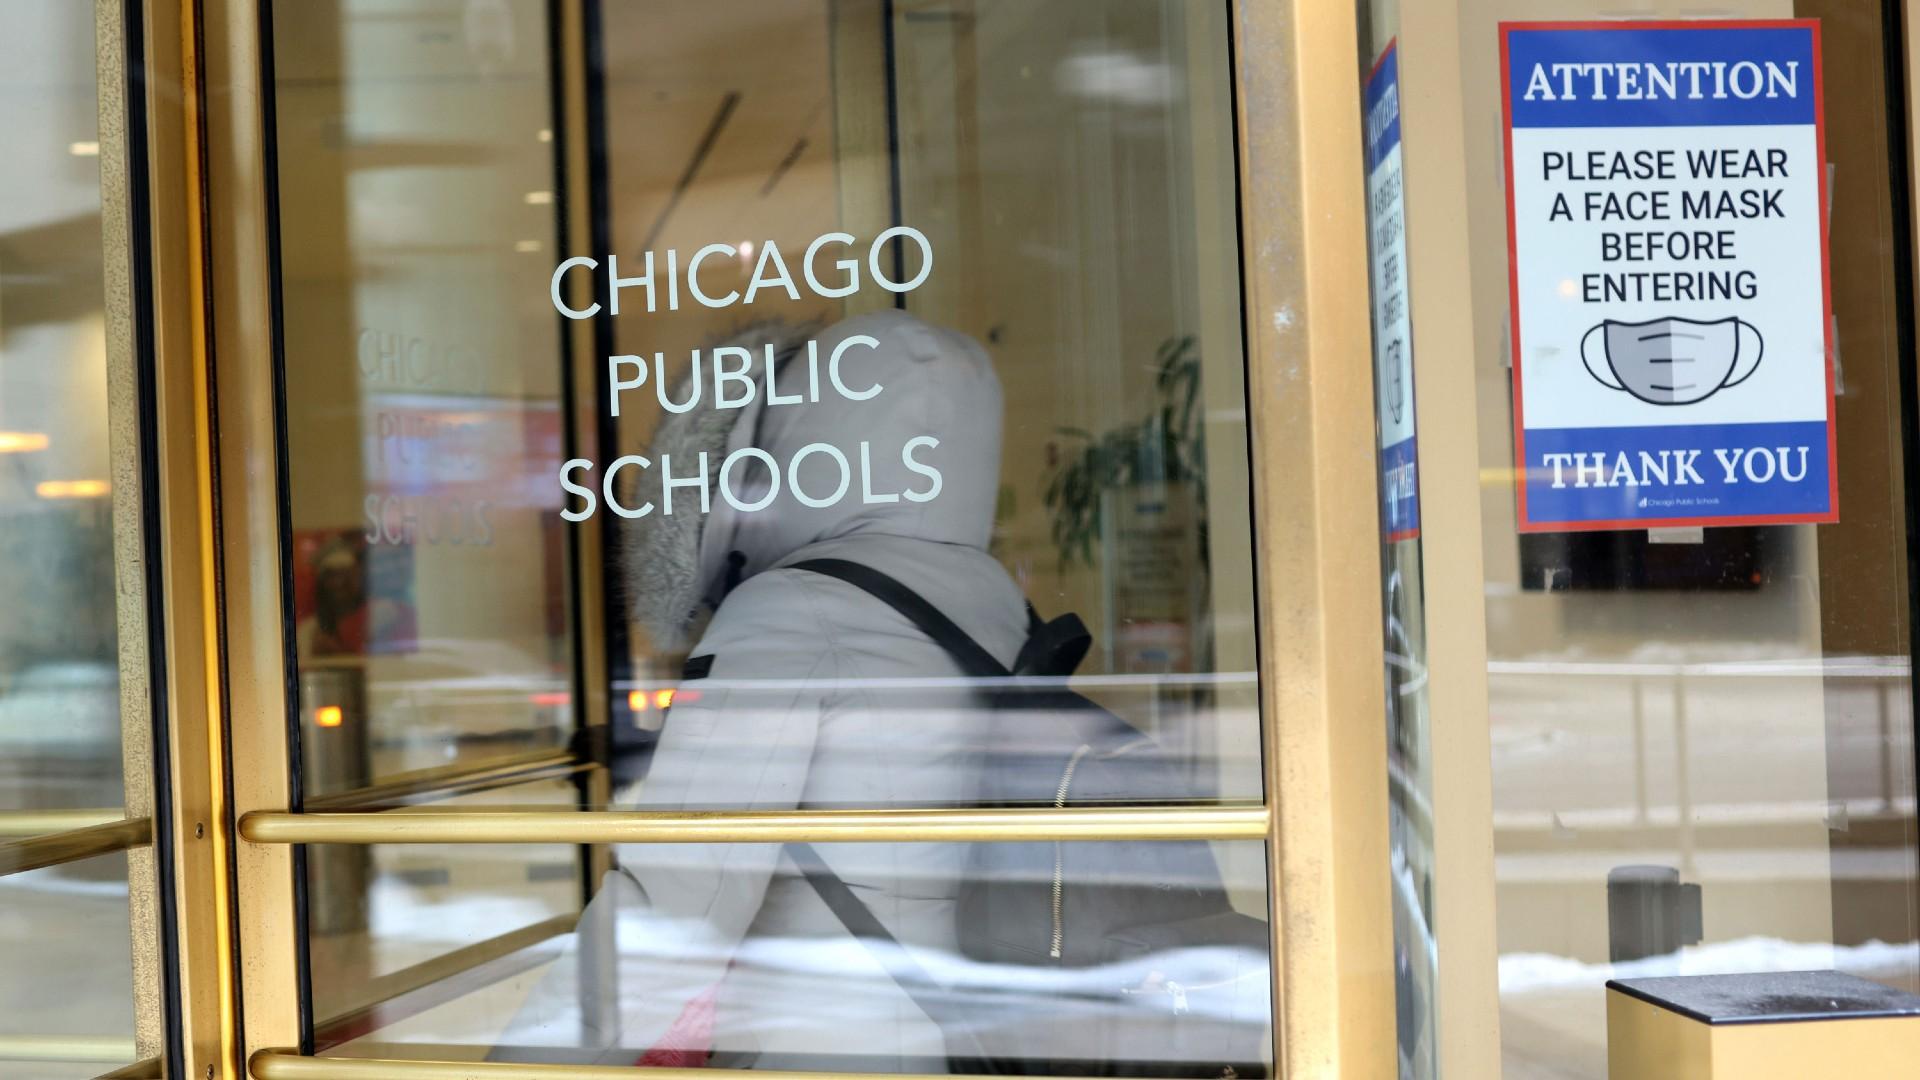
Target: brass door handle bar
287,1065
447,970
101,1049
450,781
17,824
1226,822
53,849
144,1069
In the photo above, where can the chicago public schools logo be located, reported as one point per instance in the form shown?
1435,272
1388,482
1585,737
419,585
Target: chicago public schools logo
1673,361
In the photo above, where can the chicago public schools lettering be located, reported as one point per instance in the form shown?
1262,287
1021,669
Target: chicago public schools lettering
746,478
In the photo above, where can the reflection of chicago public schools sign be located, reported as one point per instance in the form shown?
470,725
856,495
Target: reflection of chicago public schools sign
729,375
1392,323
1667,224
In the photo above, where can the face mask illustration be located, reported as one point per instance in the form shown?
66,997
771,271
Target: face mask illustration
1672,361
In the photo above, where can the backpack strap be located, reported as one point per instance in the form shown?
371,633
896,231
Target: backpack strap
886,950
856,916
973,659
1054,648
863,924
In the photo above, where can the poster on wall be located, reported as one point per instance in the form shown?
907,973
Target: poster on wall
1392,325
351,597
1667,246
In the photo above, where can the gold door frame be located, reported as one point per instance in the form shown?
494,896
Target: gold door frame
1309,318
1447,416
1311,404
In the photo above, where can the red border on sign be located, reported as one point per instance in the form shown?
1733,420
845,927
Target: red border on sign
1380,61
1832,513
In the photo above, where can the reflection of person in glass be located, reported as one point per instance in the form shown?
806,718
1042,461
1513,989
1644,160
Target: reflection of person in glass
338,623
794,699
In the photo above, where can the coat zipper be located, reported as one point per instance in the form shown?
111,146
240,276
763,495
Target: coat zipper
1059,851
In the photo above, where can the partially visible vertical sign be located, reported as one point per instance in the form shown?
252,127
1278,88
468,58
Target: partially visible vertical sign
1392,326
1666,215
1157,542
1409,762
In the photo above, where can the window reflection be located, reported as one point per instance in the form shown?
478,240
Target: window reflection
423,379
59,684
67,983
67,932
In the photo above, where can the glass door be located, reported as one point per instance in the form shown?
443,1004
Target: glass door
433,633
676,434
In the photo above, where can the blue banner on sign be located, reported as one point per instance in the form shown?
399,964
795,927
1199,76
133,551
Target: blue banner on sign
1393,332
1400,489
1662,77
1383,108
1628,474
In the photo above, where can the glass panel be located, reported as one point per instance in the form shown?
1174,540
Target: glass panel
773,986
373,912
431,581
1072,166
423,385
949,292
59,680
66,971
1722,705
79,959
1010,227
1068,170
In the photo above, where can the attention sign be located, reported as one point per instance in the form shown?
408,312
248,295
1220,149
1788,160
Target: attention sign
1667,229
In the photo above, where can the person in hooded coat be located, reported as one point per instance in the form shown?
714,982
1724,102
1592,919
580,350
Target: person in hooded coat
805,693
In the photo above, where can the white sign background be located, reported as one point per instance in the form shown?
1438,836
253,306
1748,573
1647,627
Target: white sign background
1783,253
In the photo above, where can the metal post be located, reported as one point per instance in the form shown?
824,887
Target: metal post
1641,814
1682,774
335,758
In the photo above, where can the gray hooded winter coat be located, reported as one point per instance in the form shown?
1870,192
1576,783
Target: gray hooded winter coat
818,697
